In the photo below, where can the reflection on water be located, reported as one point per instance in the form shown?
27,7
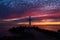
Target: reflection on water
50,27
4,28
47,25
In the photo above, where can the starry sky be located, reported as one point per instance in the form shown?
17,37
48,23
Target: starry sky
14,11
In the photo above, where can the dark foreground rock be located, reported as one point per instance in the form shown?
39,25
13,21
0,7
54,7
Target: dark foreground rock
31,33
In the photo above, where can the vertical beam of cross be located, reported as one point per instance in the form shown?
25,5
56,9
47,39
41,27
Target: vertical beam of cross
29,20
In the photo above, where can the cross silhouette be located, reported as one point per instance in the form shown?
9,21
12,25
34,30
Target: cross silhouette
29,20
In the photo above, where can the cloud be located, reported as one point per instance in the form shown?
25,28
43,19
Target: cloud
18,8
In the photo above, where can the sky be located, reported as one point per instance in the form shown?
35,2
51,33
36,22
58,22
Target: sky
15,11
22,8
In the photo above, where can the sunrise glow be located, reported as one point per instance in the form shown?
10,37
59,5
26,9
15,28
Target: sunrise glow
41,23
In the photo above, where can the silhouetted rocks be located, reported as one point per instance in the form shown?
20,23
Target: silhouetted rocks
31,33
59,31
